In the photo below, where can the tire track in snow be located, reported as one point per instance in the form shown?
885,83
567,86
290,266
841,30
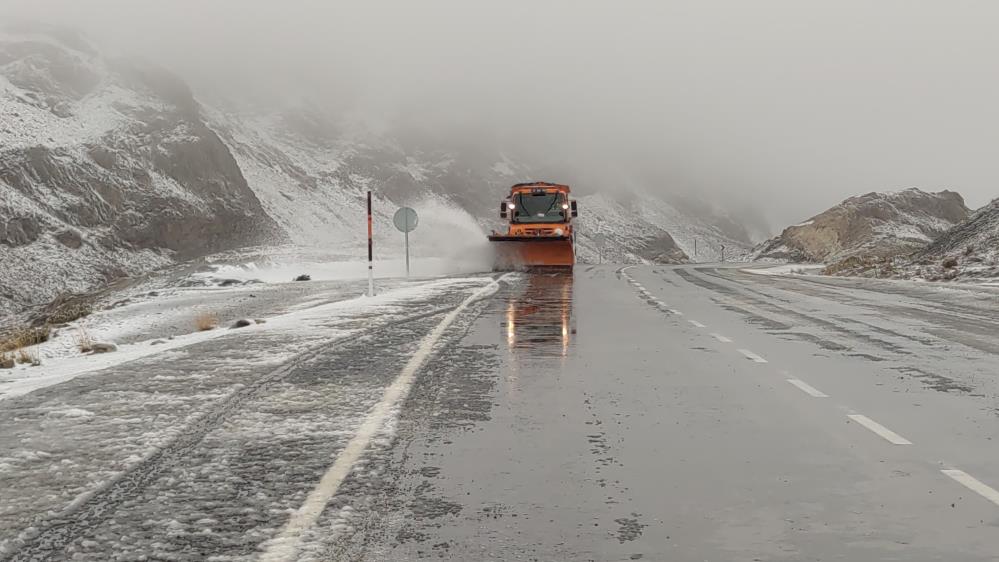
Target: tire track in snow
285,546
55,533
697,278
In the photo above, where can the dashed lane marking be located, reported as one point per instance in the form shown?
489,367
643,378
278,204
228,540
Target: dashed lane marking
721,338
973,484
808,389
887,434
752,356
696,323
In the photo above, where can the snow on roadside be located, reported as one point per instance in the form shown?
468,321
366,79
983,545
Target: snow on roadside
816,269
320,320
786,269
328,271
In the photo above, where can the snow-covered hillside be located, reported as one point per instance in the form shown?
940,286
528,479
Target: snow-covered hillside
110,168
312,181
967,252
106,169
643,227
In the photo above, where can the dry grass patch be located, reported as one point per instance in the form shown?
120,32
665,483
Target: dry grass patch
16,346
206,321
28,356
867,266
65,308
24,337
69,312
848,264
84,341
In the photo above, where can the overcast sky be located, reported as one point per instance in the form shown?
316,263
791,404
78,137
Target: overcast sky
793,104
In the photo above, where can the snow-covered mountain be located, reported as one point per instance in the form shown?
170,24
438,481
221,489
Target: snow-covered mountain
110,168
875,225
645,227
979,235
106,169
310,174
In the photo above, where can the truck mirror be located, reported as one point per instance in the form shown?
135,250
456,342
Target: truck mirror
575,211
503,210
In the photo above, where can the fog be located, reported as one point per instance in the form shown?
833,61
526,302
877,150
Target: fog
786,106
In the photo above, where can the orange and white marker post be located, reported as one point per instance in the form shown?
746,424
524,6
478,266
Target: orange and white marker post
371,272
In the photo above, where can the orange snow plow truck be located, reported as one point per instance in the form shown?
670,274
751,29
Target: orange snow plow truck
539,234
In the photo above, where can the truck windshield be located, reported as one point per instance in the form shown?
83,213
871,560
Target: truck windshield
538,207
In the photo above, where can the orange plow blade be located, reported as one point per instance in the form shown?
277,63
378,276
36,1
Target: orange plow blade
514,253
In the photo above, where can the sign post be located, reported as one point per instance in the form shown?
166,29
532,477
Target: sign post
601,240
371,273
405,220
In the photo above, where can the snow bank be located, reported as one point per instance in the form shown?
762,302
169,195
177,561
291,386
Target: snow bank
336,271
786,269
306,321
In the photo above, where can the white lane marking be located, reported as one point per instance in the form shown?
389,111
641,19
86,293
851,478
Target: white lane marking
887,434
675,311
285,545
752,356
808,389
721,338
696,323
973,484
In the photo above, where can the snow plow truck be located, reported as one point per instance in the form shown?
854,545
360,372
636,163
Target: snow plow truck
539,233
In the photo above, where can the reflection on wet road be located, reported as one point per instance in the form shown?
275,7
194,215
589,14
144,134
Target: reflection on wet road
539,320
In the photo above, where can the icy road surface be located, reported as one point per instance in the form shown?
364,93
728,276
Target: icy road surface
653,413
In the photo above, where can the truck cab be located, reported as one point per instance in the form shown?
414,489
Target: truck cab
539,227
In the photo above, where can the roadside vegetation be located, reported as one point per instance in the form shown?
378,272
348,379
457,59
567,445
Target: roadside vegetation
968,264
206,321
864,266
84,341
69,312
17,346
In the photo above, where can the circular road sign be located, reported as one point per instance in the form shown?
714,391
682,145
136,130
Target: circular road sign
405,219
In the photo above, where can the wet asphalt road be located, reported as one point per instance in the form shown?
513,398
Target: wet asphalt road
653,413
630,415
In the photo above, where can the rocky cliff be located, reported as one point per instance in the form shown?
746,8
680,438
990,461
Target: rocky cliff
968,251
871,226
